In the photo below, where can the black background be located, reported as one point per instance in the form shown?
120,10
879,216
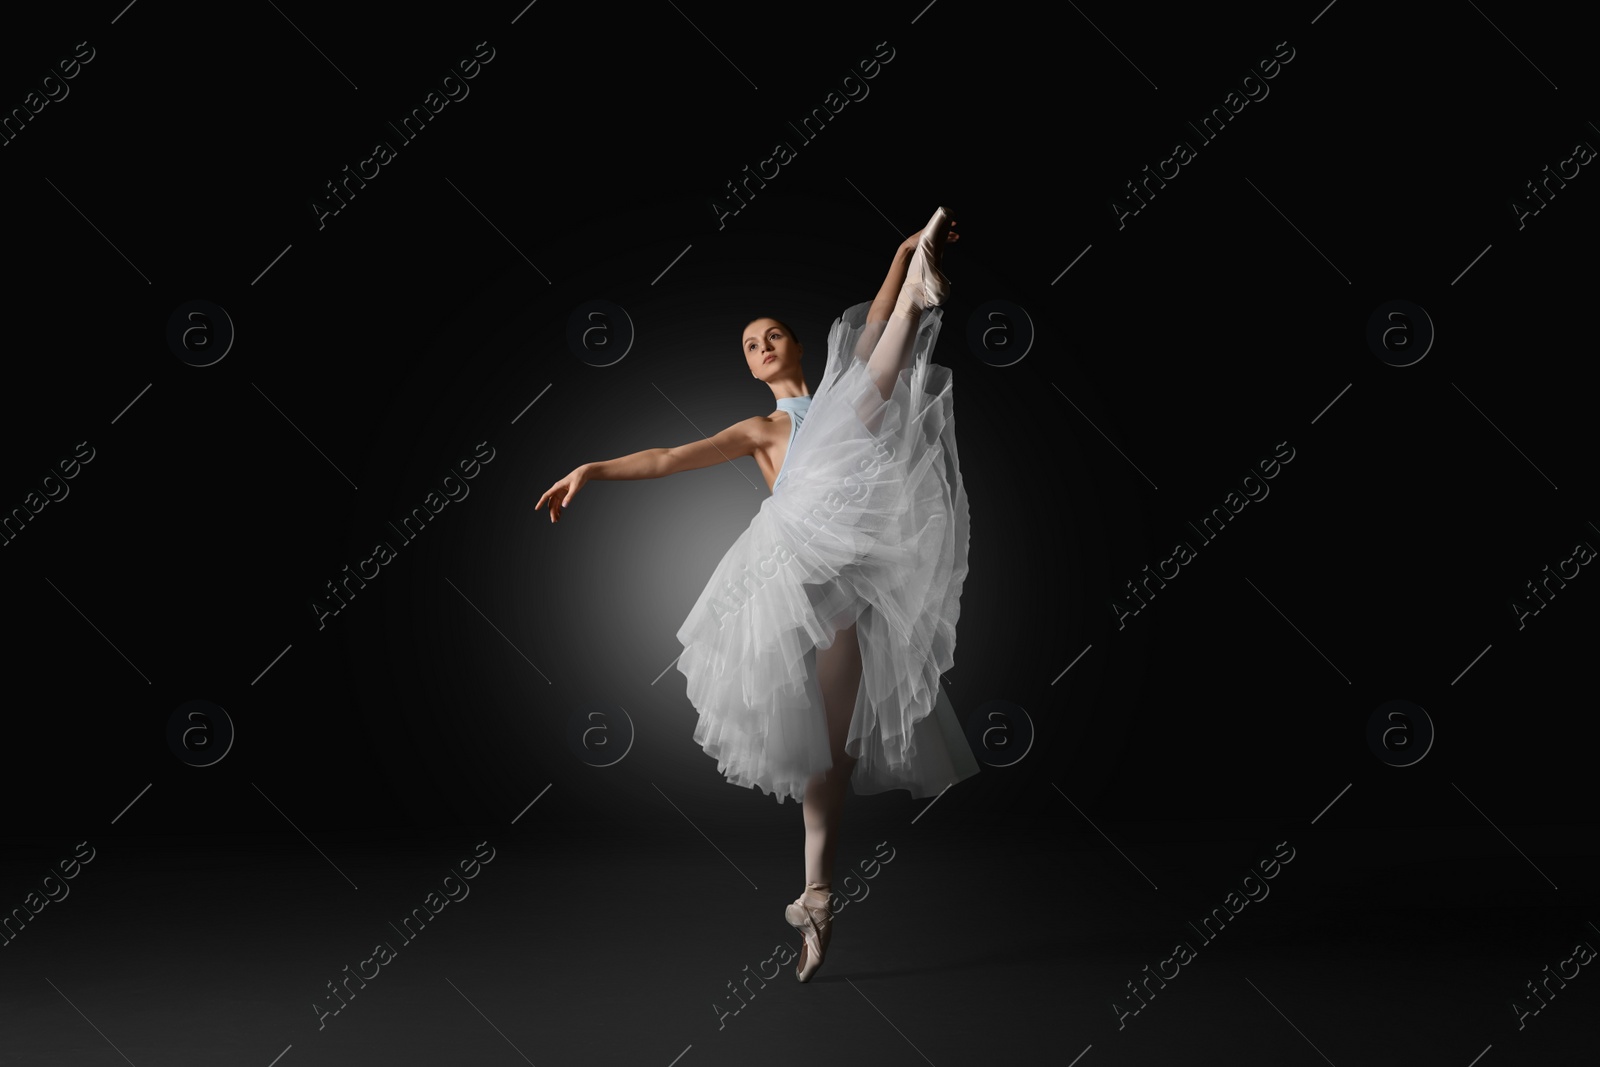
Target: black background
1181,347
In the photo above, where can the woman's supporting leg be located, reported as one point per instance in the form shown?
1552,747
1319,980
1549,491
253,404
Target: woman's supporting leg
839,679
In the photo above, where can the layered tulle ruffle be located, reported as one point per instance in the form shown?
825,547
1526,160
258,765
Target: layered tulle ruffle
869,526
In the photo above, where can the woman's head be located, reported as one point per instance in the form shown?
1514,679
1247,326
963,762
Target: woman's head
771,349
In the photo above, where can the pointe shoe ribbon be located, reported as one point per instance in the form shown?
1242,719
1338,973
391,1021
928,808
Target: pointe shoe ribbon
815,924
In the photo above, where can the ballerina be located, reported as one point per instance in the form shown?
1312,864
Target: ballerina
844,591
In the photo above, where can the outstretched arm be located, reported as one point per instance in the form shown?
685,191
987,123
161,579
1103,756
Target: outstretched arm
740,439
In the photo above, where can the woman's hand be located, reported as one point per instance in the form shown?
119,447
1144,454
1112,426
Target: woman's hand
910,243
561,494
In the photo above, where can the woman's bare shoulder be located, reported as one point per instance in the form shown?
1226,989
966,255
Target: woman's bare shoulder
766,432
762,431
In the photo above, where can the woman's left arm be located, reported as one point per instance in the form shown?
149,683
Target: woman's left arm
883,303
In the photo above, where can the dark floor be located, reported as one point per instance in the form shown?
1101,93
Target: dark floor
1369,949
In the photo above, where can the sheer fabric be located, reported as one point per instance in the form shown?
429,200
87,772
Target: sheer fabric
868,526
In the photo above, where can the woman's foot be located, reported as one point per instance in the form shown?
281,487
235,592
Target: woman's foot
925,285
812,915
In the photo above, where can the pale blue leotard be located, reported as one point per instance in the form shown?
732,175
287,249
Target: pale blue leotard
796,406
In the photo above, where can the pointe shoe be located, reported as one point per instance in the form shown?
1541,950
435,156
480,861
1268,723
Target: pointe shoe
925,285
815,924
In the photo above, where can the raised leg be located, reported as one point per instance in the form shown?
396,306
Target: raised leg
839,678
883,303
918,282
889,291
893,350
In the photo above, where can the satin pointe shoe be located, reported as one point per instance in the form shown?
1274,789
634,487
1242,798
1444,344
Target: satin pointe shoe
925,285
815,924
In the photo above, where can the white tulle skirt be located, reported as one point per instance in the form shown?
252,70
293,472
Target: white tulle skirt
868,526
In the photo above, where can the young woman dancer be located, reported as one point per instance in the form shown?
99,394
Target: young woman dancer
814,653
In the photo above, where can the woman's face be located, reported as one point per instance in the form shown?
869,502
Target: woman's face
769,350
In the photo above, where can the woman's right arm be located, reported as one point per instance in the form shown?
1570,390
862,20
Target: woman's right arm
740,439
